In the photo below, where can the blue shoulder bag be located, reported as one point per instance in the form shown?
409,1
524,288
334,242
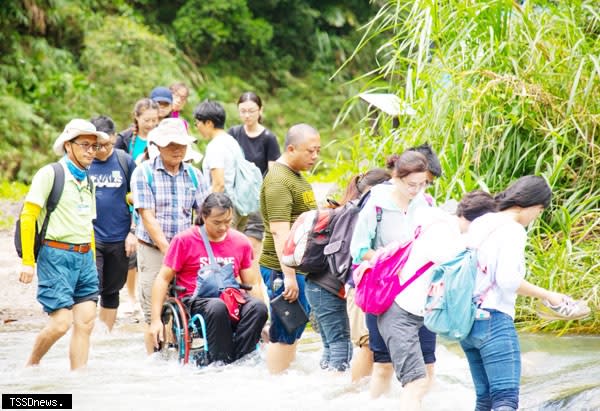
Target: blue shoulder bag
213,278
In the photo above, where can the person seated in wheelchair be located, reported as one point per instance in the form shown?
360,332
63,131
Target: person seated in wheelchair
234,318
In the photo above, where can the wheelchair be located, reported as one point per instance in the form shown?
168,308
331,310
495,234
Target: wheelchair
183,333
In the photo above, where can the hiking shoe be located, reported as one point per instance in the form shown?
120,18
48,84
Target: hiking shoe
566,310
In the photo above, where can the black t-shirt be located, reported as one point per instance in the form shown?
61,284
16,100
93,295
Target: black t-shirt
260,149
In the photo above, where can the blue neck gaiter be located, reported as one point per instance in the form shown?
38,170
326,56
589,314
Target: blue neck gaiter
78,173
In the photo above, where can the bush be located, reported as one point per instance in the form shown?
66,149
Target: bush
27,141
125,61
214,29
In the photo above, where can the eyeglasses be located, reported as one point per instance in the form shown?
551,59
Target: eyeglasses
416,186
248,112
106,146
87,146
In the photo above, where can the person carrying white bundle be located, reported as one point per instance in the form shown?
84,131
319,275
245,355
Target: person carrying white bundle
492,347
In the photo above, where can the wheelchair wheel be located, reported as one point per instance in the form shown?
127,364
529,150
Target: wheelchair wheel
175,331
198,343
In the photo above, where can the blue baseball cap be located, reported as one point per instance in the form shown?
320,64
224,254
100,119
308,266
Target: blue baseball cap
161,94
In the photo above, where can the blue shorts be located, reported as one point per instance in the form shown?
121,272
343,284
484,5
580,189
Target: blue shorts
277,332
65,278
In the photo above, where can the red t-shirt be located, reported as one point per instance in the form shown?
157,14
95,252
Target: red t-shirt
186,253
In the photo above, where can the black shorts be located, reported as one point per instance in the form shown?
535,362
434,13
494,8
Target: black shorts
255,227
112,265
132,260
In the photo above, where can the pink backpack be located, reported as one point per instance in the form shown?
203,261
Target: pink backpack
377,281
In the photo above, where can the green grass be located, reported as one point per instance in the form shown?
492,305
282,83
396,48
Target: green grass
10,192
500,92
13,191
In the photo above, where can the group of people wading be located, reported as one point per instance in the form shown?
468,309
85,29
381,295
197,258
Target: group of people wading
135,201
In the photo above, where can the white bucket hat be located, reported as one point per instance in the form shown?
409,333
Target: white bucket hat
74,128
190,154
170,130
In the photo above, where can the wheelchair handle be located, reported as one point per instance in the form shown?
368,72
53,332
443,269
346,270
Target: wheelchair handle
178,288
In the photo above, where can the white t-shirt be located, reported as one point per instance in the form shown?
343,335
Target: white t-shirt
500,259
222,152
439,241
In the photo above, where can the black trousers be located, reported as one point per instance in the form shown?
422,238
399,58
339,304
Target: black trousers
228,341
112,266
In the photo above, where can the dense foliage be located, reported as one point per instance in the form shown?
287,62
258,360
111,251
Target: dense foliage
500,91
64,58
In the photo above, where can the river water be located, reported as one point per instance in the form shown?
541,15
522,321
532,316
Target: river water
558,373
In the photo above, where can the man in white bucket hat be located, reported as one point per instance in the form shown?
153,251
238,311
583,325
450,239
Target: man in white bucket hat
66,270
191,155
165,191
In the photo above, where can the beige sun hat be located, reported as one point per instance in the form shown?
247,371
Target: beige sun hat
170,130
190,154
74,128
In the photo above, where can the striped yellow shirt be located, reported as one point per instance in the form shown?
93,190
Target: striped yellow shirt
284,195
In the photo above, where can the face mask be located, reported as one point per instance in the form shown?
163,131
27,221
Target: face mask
78,173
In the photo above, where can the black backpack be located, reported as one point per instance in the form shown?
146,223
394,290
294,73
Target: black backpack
122,158
53,198
337,251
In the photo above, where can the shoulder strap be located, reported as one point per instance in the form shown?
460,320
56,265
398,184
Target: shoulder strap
57,187
211,256
90,184
192,174
479,299
55,193
131,145
416,275
124,166
363,200
148,173
379,215
421,270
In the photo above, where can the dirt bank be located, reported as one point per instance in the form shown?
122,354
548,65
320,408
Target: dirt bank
17,300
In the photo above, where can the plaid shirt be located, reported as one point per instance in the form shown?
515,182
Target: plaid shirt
171,197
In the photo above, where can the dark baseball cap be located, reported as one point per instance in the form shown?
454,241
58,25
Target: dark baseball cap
161,94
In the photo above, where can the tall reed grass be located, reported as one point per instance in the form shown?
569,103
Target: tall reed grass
500,91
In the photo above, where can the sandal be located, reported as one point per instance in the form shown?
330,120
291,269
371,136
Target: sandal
567,310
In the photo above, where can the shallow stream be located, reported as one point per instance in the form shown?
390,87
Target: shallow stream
558,373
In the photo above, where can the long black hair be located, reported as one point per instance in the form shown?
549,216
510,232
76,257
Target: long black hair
527,191
475,204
